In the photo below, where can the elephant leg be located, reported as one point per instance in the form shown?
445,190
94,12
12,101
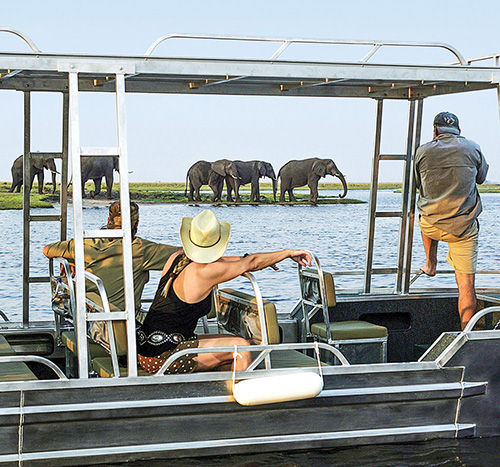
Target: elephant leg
229,189
32,179
83,187
282,192
191,192
40,182
215,189
291,196
197,193
109,185
313,189
97,186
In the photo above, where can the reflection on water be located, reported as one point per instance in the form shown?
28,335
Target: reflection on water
336,233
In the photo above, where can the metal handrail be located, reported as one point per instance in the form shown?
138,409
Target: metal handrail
324,303
260,309
286,42
264,348
34,358
25,38
473,321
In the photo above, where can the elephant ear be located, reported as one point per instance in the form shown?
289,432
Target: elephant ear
219,167
261,166
319,168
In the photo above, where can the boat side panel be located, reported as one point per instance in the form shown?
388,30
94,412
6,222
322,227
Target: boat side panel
481,361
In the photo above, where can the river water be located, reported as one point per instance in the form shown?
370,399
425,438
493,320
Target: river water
336,233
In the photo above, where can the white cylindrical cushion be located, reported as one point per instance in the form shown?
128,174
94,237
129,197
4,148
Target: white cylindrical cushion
282,388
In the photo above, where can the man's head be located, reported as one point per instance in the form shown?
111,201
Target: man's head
446,122
115,216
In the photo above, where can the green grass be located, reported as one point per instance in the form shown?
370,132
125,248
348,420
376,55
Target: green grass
15,201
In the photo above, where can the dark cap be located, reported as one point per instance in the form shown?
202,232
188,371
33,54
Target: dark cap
446,122
115,215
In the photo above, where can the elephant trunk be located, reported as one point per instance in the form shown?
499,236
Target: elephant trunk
54,181
275,187
344,183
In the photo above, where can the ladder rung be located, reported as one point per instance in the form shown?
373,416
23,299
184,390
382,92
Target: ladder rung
113,316
392,157
103,233
388,214
38,279
43,155
384,270
99,151
45,218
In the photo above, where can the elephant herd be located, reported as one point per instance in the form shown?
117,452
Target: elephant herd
92,168
293,174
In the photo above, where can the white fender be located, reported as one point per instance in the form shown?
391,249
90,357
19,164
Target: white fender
282,388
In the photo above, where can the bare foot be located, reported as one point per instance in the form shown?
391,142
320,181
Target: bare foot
429,269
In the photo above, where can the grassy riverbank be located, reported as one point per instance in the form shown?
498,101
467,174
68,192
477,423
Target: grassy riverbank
173,192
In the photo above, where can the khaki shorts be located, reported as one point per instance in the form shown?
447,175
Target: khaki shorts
462,251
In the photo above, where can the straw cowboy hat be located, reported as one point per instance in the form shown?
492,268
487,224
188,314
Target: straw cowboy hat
203,237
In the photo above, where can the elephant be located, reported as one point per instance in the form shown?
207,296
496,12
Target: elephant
208,173
96,167
38,164
250,172
307,172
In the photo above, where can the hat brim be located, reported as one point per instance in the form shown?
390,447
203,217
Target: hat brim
201,254
448,129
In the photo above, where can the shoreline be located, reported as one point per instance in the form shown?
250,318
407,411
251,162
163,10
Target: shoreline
173,193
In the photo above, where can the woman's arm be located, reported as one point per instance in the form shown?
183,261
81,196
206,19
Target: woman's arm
223,270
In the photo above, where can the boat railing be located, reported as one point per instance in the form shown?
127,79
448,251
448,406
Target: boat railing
264,349
23,36
103,310
286,42
480,314
34,359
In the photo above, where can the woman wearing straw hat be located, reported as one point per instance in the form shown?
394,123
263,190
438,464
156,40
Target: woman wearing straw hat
184,296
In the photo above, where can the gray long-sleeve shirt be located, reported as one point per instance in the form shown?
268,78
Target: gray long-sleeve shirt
447,170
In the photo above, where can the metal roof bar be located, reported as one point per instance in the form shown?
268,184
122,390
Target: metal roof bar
285,42
25,38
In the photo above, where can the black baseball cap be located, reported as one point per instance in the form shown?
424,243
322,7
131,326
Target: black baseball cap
446,122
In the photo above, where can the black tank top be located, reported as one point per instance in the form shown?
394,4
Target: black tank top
168,315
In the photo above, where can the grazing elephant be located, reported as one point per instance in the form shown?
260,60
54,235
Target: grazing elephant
307,172
94,168
250,172
208,173
38,164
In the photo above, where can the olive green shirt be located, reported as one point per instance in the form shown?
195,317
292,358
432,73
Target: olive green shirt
103,257
446,172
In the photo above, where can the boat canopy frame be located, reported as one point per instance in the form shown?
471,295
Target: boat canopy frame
71,74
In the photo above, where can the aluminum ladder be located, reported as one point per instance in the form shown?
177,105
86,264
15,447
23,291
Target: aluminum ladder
76,152
407,212
28,218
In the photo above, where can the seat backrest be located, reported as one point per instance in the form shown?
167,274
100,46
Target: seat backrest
310,286
237,313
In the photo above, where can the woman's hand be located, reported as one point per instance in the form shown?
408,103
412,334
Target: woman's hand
301,257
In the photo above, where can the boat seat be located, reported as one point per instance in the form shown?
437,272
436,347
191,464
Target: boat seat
238,314
68,339
13,371
360,341
347,330
103,366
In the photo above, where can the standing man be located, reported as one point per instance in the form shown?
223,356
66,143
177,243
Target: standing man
447,170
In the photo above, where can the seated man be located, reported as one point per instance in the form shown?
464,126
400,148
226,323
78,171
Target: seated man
103,257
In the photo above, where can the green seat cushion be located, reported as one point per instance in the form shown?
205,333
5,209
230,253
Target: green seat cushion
13,371
5,348
103,366
69,340
290,359
345,330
